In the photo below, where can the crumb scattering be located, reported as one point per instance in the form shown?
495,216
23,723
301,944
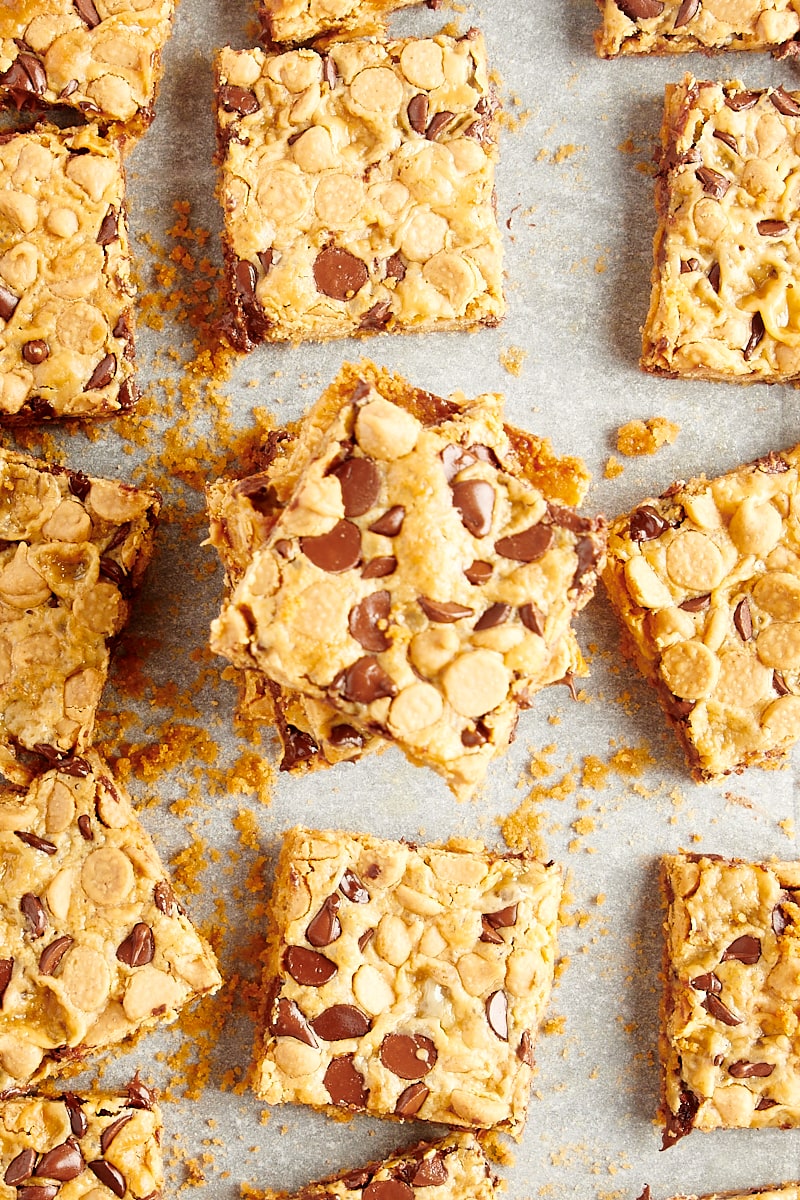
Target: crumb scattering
639,438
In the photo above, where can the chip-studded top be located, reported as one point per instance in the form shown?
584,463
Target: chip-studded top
298,21
100,56
673,26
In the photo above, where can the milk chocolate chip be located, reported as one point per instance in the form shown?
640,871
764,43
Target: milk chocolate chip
474,499
750,1070
353,889
139,947
87,12
20,1168
344,1085
33,909
361,485
410,1101
340,1022
288,1021
388,1189
52,955
646,524
63,1162
110,1175
336,551
365,681
238,99
339,274
390,524
496,614
307,967
527,546
411,1056
640,10
443,611
746,949
432,1172
6,969
325,927
364,621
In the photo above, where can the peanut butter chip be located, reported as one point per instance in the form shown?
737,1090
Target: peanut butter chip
778,593
150,990
416,707
743,680
755,528
85,978
408,1056
476,682
694,562
377,89
107,876
60,808
690,670
778,645
645,586
385,431
421,63
339,274
782,719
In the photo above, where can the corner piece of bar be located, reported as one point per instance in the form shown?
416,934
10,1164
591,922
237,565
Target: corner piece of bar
678,26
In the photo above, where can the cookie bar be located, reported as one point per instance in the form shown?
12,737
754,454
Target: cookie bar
357,188
72,552
706,582
94,945
674,26
406,981
726,279
298,21
413,582
102,57
786,1191
72,1146
66,296
730,1039
456,1167
242,512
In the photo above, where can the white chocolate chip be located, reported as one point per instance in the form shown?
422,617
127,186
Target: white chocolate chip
92,174
421,63
694,562
480,975
423,235
476,682
377,89
60,807
314,150
85,978
62,222
372,990
477,1110
417,902
689,669
702,510
385,431
107,876
296,1059
669,625
392,940
781,719
416,707
433,648
149,989
743,681
59,894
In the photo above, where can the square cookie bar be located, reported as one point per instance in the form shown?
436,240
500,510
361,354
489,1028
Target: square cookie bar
93,944
66,296
406,981
673,26
706,582
456,1167
413,582
730,1036
72,552
725,303
71,1146
102,57
358,189
297,21
242,512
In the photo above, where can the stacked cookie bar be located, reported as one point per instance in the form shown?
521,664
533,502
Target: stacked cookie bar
413,580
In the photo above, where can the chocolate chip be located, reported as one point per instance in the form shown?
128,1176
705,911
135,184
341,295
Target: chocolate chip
365,939
646,524
532,619
103,373
713,1005
35,352
479,572
706,983
743,620
525,1049
457,458
361,485
411,1056
779,921
417,112
139,947
390,524
756,334
87,12
111,1131
772,228
238,99
345,737
728,140
8,303
52,955
344,1085
336,551
353,889
298,747
640,10
340,1022
339,274
474,499
289,1021
745,949
432,1172
410,1101
33,909
63,1162
35,842
364,621
85,828
438,123
109,229
354,1180
496,614
395,268
587,553
502,918
696,603
714,184
687,10
364,681
268,258
377,317
681,1122
714,277
329,72
688,265
765,1102
740,101
77,768
78,1121
490,934
79,484
140,1095
245,278
26,76
785,104
379,567
527,546
38,1191
325,927
110,1175
497,1014
20,1168
387,1189
750,1070
164,898
443,612
307,967
779,684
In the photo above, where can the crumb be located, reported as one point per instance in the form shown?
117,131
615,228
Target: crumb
512,360
613,467
646,437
